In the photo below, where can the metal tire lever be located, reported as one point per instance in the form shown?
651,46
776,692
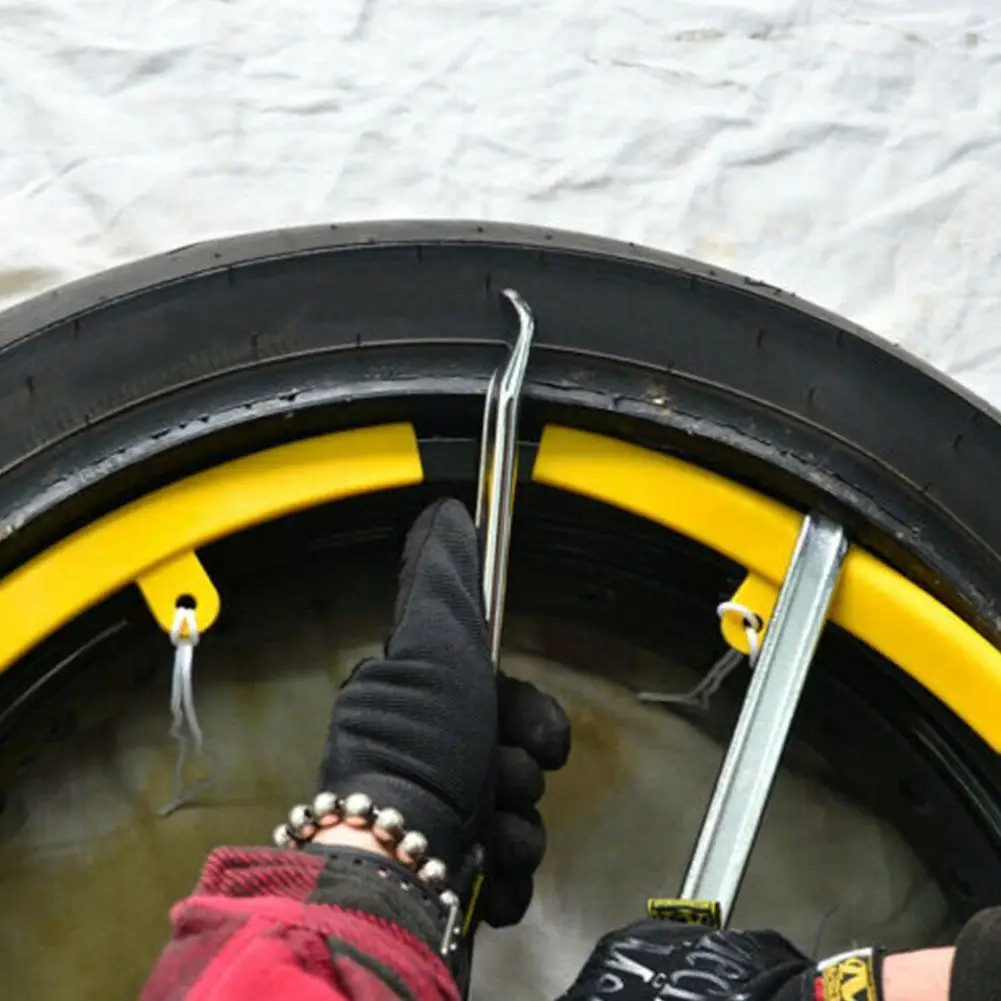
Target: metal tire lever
498,468
494,510
747,773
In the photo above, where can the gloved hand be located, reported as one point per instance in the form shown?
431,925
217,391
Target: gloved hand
534,737
663,959
418,729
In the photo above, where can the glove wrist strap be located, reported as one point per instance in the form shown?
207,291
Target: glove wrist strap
356,879
435,912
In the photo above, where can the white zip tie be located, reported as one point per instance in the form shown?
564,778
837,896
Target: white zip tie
711,681
752,626
184,636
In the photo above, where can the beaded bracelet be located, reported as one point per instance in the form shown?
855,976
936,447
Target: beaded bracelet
357,810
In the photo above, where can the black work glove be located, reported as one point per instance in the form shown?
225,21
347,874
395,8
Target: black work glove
534,737
663,959
418,729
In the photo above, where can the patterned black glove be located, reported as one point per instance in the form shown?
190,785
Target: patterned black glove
661,959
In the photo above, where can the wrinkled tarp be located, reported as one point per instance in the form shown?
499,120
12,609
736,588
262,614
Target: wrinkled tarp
847,151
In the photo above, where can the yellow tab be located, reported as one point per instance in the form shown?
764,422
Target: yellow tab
850,979
706,913
467,922
757,595
180,577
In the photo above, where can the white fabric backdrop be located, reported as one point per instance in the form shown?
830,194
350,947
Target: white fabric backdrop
849,150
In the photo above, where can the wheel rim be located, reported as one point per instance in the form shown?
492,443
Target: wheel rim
570,474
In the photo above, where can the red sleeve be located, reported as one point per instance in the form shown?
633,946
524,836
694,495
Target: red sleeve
250,932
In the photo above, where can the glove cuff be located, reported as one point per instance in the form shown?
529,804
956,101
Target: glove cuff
355,879
447,840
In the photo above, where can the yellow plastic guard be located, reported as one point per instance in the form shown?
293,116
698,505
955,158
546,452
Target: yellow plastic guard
873,602
180,577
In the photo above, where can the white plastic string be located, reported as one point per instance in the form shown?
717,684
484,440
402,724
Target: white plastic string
184,636
711,681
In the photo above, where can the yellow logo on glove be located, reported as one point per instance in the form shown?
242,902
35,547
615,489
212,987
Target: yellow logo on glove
706,913
850,979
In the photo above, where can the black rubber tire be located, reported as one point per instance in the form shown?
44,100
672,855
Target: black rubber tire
101,375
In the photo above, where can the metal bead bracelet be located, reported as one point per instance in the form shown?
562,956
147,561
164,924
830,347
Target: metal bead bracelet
387,826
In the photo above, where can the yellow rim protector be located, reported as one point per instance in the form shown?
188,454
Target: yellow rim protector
153,539
873,602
